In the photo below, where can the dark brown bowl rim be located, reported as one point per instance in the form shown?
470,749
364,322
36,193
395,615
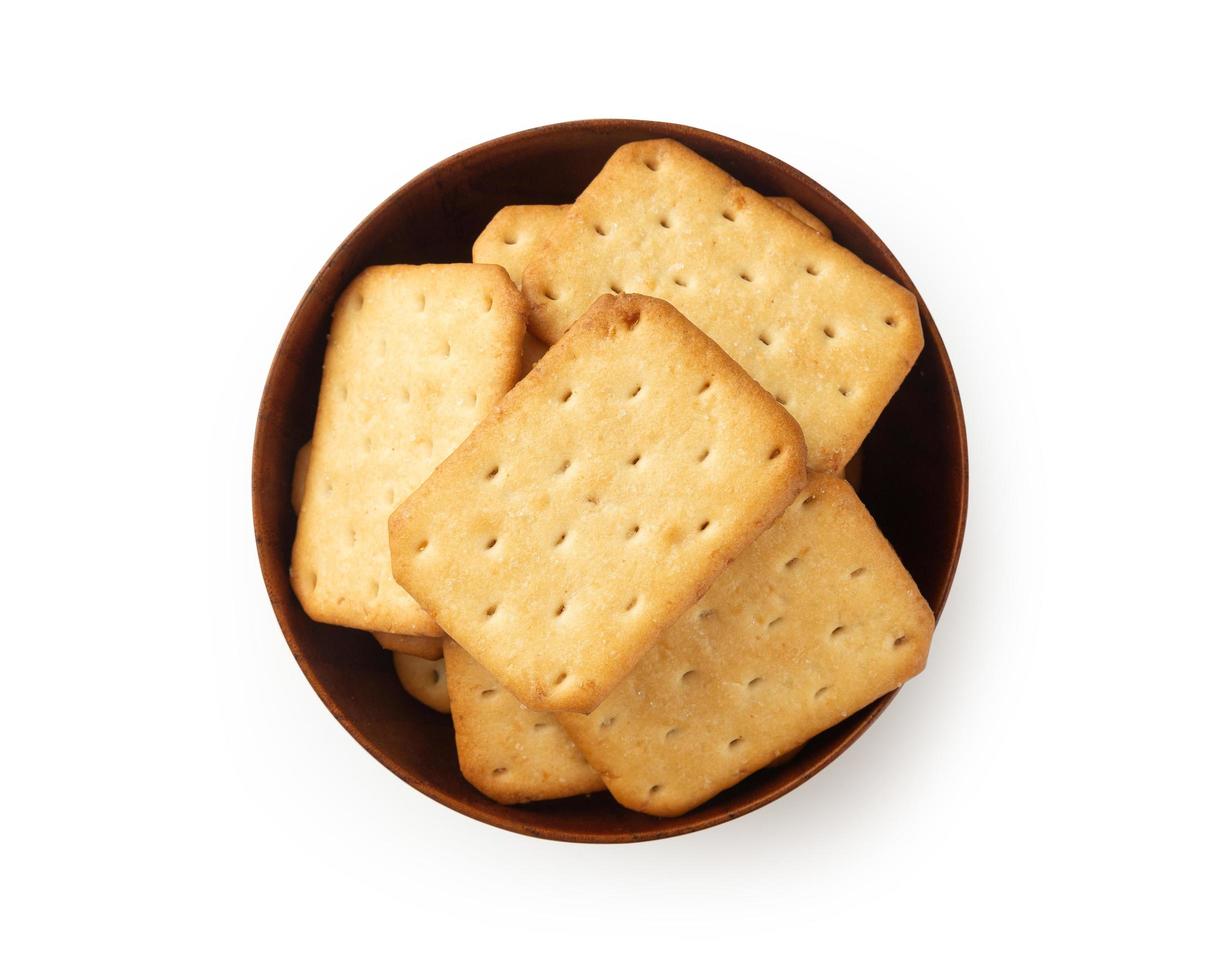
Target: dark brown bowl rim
517,819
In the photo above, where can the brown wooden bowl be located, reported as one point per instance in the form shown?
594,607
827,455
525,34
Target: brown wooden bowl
914,477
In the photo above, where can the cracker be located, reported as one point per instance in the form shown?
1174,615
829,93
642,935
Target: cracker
816,619
416,357
423,647
829,336
510,753
597,502
512,237
426,680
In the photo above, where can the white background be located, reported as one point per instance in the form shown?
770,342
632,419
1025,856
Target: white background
1046,798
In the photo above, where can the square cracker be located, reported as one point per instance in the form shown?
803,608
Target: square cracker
596,503
425,680
510,753
423,647
816,619
829,336
514,233
416,357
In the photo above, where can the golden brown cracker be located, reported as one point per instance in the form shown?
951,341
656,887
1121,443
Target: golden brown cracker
416,357
425,680
597,502
830,337
510,753
514,233
816,619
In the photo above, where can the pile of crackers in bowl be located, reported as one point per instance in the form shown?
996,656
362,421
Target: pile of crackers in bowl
590,490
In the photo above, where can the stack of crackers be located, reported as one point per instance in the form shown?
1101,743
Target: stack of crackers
590,489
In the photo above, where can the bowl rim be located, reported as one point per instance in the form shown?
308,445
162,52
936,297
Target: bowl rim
516,818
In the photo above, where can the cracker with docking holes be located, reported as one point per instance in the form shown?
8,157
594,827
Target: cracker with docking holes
514,233
426,680
830,337
512,236
510,753
425,647
416,357
596,503
816,619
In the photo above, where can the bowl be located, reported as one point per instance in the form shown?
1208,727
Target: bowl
914,477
